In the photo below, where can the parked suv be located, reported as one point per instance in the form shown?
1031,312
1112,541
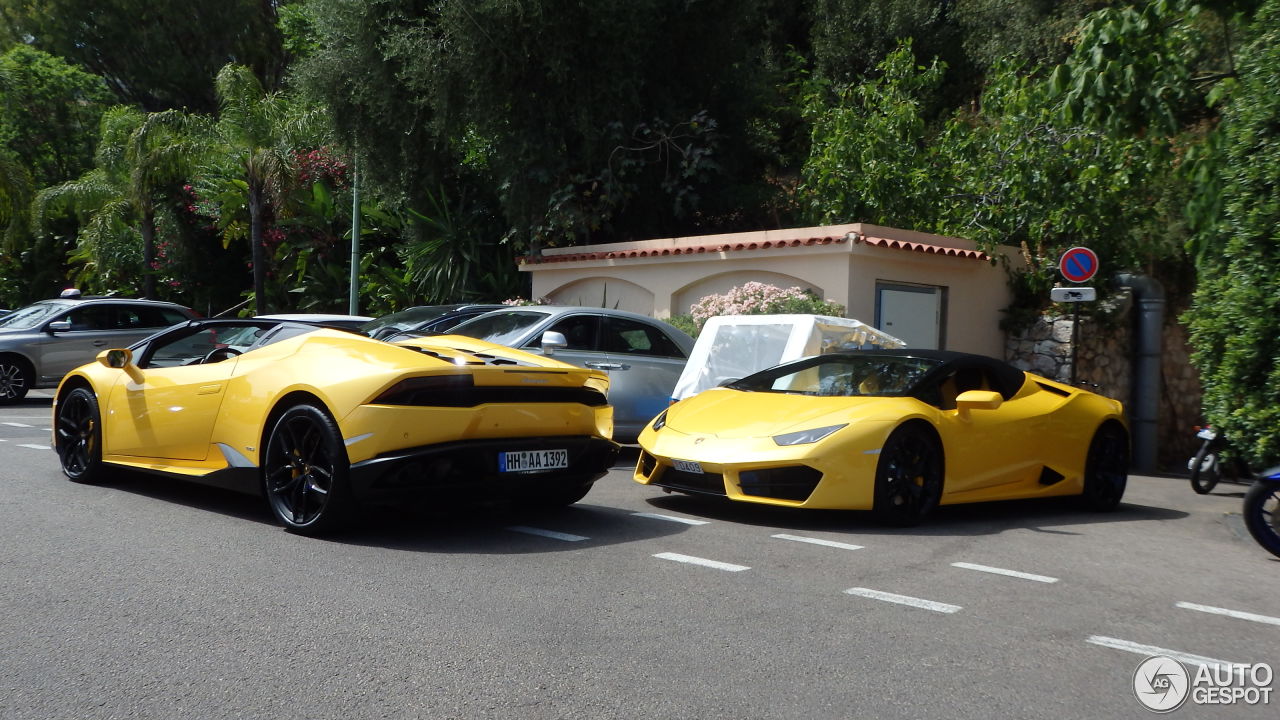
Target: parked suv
42,341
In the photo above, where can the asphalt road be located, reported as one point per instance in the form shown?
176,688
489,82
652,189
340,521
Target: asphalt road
148,599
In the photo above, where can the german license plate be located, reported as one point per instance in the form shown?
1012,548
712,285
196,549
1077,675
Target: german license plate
688,466
533,460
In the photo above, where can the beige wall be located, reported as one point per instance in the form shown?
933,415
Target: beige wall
845,272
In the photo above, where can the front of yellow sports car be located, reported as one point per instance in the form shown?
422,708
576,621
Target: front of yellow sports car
772,448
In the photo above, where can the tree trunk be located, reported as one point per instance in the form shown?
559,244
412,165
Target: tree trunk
149,254
258,253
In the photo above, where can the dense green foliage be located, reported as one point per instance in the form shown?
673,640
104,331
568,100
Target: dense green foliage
484,130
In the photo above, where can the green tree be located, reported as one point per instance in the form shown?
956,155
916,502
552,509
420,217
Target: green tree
1235,330
142,160
158,54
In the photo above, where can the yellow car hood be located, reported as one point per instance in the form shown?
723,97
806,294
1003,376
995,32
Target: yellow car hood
724,413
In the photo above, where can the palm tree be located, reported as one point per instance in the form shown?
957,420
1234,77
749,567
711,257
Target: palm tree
256,134
139,156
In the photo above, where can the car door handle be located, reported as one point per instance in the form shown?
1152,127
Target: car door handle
209,389
607,366
99,343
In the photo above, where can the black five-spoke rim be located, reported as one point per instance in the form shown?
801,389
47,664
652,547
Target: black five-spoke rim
911,475
11,381
299,470
1109,460
77,434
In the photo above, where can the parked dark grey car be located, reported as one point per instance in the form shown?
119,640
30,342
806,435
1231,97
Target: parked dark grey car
642,356
41,342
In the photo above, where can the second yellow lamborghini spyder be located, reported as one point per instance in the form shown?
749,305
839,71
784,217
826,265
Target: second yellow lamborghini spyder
897,432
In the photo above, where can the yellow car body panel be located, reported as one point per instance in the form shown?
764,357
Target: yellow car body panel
194,421
994,449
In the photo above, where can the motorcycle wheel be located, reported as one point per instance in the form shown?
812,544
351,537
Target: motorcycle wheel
1262,514
1204,470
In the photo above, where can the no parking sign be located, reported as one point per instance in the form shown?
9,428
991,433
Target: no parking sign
1078,264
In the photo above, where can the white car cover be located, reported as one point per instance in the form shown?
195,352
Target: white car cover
734,346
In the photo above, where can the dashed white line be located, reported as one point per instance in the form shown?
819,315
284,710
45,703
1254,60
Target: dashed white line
1238,614
547,533
670,518
35,447
14,424
818,541
691,560
1150,650
904,600
1002,571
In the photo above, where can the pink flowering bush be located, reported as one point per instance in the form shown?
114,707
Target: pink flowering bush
755,298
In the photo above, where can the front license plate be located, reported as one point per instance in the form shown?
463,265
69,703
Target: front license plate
688,466
533,460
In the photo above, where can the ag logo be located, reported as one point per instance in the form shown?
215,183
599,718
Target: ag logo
1161,684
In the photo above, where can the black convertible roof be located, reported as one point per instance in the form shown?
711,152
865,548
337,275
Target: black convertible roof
1006,377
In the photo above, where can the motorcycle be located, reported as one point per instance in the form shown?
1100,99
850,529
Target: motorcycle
1214,461
1262,510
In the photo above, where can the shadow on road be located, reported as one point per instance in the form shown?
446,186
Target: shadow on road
1049,515
423,527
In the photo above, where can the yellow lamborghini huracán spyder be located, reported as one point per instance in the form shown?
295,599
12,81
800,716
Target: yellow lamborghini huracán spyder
318,420
897,432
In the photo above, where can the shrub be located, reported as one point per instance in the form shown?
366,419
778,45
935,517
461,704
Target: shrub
755,298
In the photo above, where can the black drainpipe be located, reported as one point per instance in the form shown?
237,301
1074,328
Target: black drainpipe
1144,406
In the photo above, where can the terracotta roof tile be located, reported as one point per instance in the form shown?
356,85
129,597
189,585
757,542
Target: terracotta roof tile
756,245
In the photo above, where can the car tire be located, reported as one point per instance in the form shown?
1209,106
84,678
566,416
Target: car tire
909,476
1106,470
1262,514
305,471
16,377
78,437
1204,470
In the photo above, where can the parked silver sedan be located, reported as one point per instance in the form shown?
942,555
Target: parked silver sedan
642,356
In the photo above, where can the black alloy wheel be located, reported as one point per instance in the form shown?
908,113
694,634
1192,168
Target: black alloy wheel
78,437
909,476
15,380
305,469
1106,470
1204,470
1262,514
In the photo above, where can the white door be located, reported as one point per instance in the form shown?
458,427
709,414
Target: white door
911,313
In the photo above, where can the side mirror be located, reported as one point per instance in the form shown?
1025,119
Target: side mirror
116,358
978,400
58,326
553,341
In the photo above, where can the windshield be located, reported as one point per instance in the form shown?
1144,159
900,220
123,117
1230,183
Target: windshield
405,319
503,328
842,375
31,316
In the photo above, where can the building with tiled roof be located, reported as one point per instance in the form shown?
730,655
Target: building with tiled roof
931,290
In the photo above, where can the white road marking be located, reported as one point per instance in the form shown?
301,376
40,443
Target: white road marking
13,424
818,541
35,447
547,533
691,560
1150,650
904,600
671,518
1002,571
1238,614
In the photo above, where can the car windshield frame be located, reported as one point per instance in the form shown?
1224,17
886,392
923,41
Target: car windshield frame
408,318
491,331
861,376
31,316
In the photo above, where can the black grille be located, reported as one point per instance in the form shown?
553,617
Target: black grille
704,483
647,463
784,483
473,396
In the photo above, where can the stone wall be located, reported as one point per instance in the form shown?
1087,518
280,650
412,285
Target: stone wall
1104,365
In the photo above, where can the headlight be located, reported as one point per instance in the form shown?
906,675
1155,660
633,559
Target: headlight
660,421
804,437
